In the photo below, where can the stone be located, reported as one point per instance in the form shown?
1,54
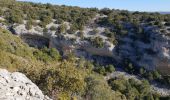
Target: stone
16,86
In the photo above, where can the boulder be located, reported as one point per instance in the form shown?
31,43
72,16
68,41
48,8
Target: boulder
16,86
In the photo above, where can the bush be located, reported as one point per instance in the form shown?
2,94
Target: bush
97,89
45,20
62,28
142,71
45,30
97,42
130,68
14,16
59,21
101,70
109,34
53,28
113,41
95,31
47,55
110,68
29,24
72,29
131,88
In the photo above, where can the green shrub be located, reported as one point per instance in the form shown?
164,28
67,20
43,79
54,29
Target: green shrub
14,16
132,88
72,29
62,28
29,24
98,89
53,28
47,55
110,68
45,20
97,42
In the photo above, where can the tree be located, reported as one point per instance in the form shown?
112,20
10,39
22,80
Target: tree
144,88
110,68
109,34
53,28
97,89
95,31
14,16
118,85
62,28
45,20
150,76
29,24
97,42
101,70
142,71
130,68
156,75
72,29
54,54
132,94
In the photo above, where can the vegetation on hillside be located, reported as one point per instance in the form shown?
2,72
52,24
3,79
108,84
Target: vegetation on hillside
57,77
72,78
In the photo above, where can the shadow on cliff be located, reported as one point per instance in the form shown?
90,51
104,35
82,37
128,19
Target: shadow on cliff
36,41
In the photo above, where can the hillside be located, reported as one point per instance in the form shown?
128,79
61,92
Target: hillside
57,78
79,53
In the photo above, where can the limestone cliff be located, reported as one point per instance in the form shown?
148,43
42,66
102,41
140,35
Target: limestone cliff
16,86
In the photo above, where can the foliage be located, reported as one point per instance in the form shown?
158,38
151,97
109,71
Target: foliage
29,24
97,89
47,55
71,77
103,70
97,42
14,16
57,78
62,28
46,12
131,88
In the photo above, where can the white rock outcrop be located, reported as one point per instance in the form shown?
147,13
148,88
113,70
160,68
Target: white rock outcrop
16,86
21,29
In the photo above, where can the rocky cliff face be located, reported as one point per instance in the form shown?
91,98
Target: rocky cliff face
152,54
16,86
150,51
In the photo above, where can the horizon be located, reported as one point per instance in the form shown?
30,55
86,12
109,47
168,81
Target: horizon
130,5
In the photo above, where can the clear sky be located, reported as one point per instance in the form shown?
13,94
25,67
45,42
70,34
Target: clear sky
132,5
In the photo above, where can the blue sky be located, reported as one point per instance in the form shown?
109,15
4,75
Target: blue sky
132,5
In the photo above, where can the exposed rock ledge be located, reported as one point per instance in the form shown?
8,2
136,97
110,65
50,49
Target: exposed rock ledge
16,86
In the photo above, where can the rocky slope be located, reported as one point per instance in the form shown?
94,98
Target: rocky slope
151,52
103,41
16,86
152,55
